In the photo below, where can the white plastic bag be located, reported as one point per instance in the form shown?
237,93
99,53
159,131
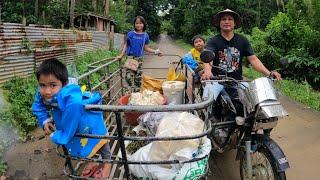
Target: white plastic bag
193,170
174,125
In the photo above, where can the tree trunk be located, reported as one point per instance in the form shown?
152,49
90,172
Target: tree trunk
94,5
280,4
259,18
106,8
68,4
0,15
72,5
36,8
24,19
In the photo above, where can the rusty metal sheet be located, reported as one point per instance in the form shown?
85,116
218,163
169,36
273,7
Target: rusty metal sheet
118,41
16,59
84,47
16,66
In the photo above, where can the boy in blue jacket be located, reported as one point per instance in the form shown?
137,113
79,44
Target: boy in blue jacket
59,109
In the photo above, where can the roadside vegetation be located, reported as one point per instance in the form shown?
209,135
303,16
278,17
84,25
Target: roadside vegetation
276,29
299,91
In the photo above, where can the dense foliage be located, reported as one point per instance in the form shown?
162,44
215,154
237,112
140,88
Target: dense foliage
290,35
276,29
20,93
82,65
186,20
147,9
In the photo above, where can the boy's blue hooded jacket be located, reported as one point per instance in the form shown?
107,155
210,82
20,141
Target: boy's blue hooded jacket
70,117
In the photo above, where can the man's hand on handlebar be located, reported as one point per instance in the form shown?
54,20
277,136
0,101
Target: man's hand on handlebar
275,74
207,75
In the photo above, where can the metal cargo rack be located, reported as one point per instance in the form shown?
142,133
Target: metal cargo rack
112,86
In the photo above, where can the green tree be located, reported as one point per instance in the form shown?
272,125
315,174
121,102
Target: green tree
149,10
13,11
120,12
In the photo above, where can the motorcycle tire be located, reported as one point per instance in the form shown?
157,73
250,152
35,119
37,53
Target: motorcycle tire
265,152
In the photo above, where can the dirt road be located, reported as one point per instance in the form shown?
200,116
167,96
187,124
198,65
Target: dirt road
298,135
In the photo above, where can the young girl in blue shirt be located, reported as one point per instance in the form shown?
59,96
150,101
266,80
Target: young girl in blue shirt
137,41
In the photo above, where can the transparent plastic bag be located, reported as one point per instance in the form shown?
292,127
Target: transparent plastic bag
72,74
175,74
151,121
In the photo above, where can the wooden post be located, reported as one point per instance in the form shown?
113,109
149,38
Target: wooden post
108,26
111,38
86,23
43,17
24,21
97,24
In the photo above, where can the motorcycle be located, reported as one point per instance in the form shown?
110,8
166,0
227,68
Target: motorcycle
243,116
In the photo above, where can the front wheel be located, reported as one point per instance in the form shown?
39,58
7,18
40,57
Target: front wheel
263,166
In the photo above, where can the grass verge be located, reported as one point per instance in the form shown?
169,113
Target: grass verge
183,44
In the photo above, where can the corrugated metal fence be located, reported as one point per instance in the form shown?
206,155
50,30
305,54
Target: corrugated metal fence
22,48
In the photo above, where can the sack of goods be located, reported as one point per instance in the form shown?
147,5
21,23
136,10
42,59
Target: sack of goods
174,124
174,91
152,84
147,97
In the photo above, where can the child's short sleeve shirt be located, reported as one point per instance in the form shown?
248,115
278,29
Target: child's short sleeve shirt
135,43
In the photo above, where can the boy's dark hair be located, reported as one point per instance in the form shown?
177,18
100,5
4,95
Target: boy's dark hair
197,37
55,67
143,22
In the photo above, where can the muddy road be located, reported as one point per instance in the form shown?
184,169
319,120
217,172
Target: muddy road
298,135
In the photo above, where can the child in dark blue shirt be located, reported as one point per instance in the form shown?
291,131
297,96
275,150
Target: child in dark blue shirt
136,42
